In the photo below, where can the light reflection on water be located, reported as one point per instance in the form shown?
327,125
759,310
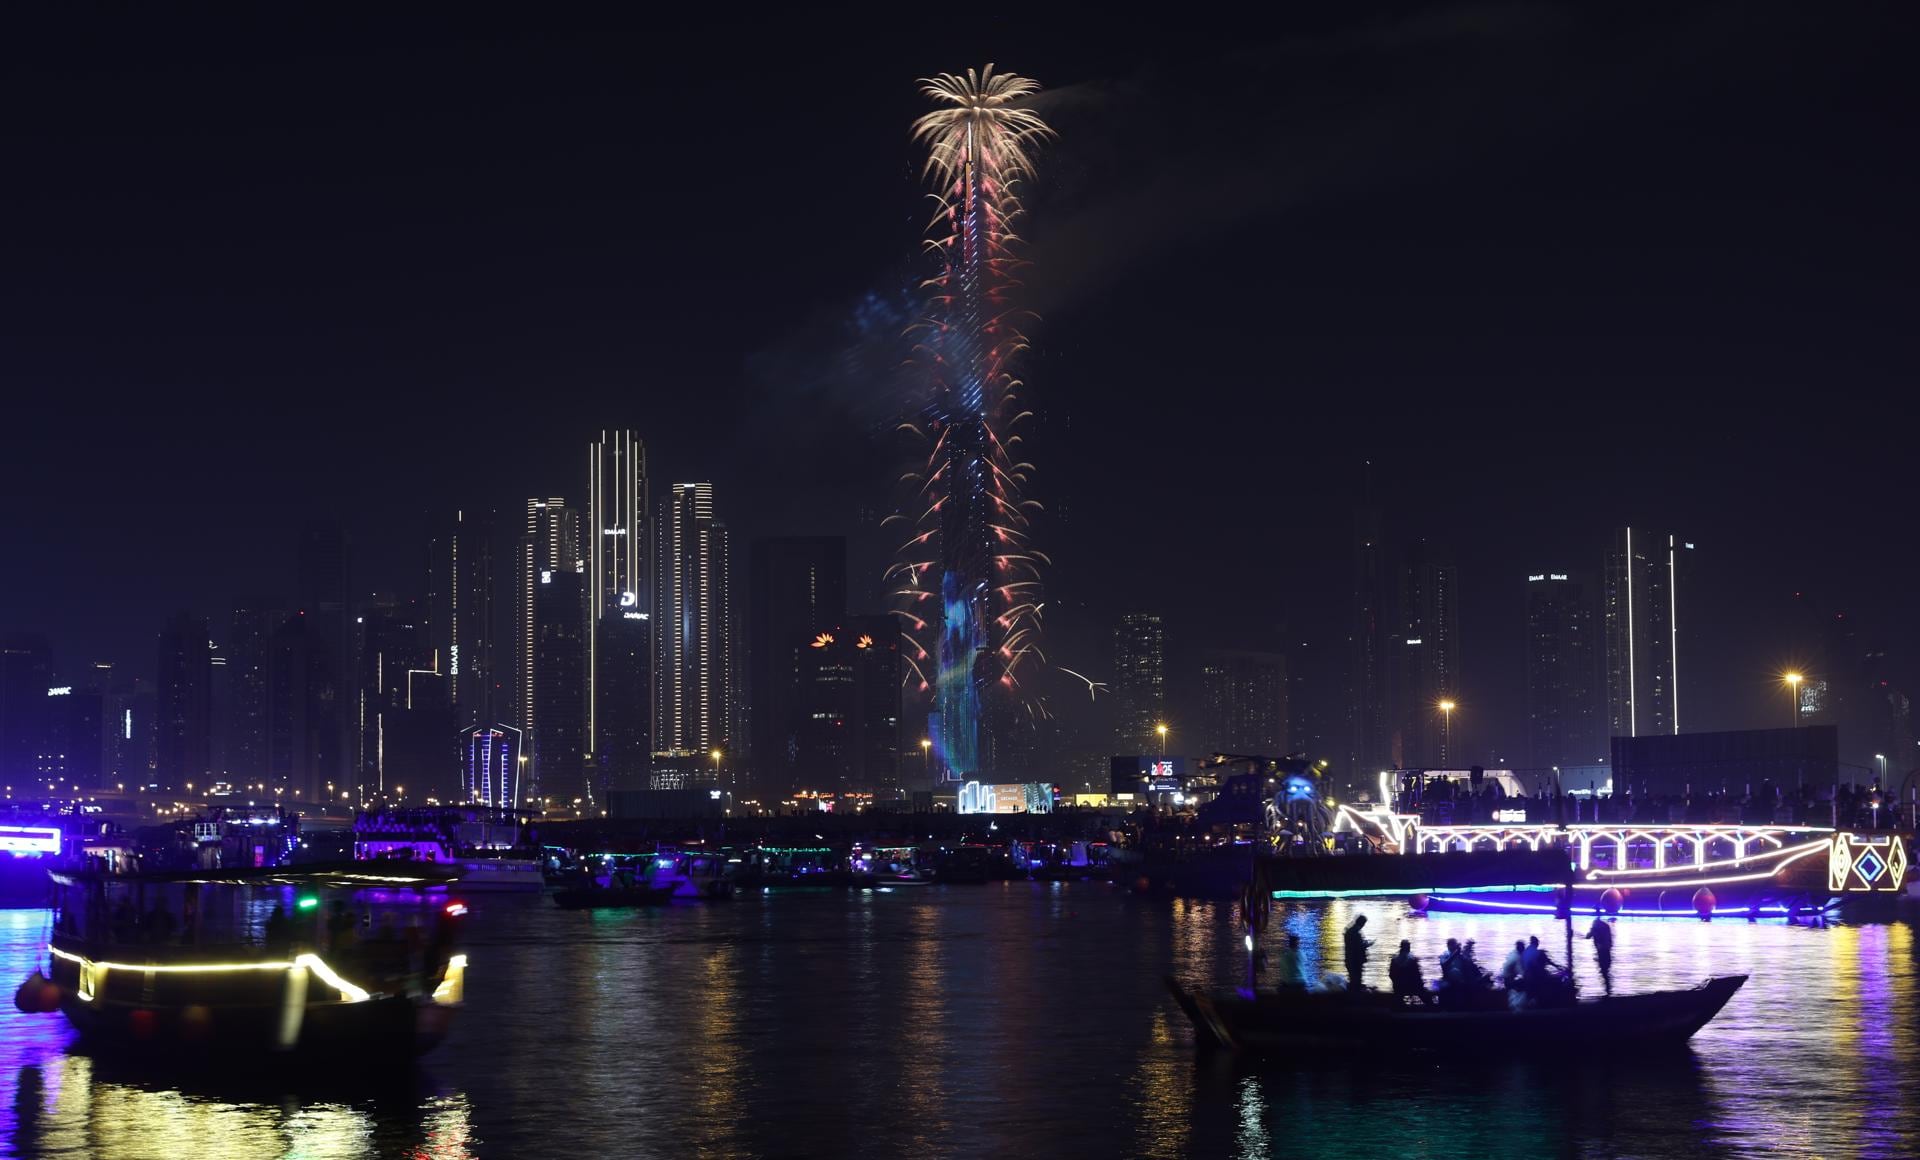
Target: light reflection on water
1014,1019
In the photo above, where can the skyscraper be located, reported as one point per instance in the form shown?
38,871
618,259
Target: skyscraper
323,596
1426,649
491,767
796,589
183,719
620,596
693,691
1139,681
846,730
549,546
1369,746
1564,710
249,637
559,675
26,673
1243,705
462,615
1640,604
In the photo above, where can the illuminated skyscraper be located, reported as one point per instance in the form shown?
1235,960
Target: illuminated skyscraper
692,639
559,675
620,593
26,673
1563,668
796,589
550,543
1640,604
1140,681
491,767
1426,648
462,610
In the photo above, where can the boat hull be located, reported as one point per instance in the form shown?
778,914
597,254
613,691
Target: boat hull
384,1028
1372,1022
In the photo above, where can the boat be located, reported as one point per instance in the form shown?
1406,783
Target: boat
694,875
337,962
491,849
1298,1020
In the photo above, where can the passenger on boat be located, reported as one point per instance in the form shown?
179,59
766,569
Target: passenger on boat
1356,953
278,933
1512,975
1602,935
1287,963
1403,971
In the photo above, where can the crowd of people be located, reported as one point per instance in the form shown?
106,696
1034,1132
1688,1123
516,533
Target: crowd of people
1529,977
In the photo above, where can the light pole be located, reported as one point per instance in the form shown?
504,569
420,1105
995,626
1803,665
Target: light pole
1793,695
1446,731
926,759
1161,729
715,754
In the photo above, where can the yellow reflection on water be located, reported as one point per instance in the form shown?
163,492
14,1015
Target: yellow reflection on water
1163,1090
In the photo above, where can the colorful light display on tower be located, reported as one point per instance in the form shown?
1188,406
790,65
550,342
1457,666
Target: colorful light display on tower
967,582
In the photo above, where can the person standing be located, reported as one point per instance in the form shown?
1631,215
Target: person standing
1602,935
1356,944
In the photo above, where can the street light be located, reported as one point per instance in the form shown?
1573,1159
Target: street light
1793,692
926,759
1446,732
1161,729
715,754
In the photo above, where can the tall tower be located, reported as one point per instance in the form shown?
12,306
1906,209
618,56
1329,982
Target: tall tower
1244,703
967,583
621,600
1640,601
249,639
692,639
550,550
559,674
796,589
1564,710
1140,680
1426,644
462,609
183,721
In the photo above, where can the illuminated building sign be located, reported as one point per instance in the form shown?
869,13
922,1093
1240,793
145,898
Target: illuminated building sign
1014,798
1538,576
633,616
60,690
1861,865
29,840
1510,816
629,599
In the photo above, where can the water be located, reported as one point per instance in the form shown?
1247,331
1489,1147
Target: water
1012,1019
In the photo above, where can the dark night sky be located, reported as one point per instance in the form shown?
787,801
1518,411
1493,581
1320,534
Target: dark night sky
1551,269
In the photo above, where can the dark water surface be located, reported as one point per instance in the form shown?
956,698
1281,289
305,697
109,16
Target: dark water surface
1013,1019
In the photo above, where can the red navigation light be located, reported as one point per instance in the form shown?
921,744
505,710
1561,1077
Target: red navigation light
456,909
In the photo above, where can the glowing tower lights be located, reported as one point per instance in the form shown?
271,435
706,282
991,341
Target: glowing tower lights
967,581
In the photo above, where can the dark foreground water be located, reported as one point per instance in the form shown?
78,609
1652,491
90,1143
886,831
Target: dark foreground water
1006,1020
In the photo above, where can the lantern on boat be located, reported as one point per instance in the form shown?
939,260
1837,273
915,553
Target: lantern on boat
1610,900
1703,901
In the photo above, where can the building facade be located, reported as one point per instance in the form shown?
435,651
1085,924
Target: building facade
1243,703
1564,708
693,712
619,586
1140,681
1426,649
559,677
183,687
1640,608
796,589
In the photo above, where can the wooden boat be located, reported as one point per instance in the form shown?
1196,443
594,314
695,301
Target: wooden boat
612,897
1300,1021
227,983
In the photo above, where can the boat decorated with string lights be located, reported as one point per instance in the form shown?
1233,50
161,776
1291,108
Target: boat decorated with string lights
350,961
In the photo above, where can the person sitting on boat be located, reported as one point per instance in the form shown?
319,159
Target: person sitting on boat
1356,945
1403,971
1287,964
1513,975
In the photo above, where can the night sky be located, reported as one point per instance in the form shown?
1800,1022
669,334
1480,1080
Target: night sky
1551,269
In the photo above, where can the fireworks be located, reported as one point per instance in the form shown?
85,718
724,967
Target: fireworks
967,581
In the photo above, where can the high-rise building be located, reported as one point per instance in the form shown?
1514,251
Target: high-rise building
618,585
1564,710
1640,605
463,622
846,732
1369,746
183,721
402,705
491,768
129,725
796,589
1243,703
26,673
549,546
692,637
1426,650
323,596
622,687
77,724
305,750
1140,681
248,645
559,674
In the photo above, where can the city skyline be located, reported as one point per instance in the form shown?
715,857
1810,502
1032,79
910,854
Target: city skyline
787,410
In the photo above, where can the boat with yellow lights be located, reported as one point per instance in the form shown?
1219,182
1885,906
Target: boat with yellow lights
350,962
